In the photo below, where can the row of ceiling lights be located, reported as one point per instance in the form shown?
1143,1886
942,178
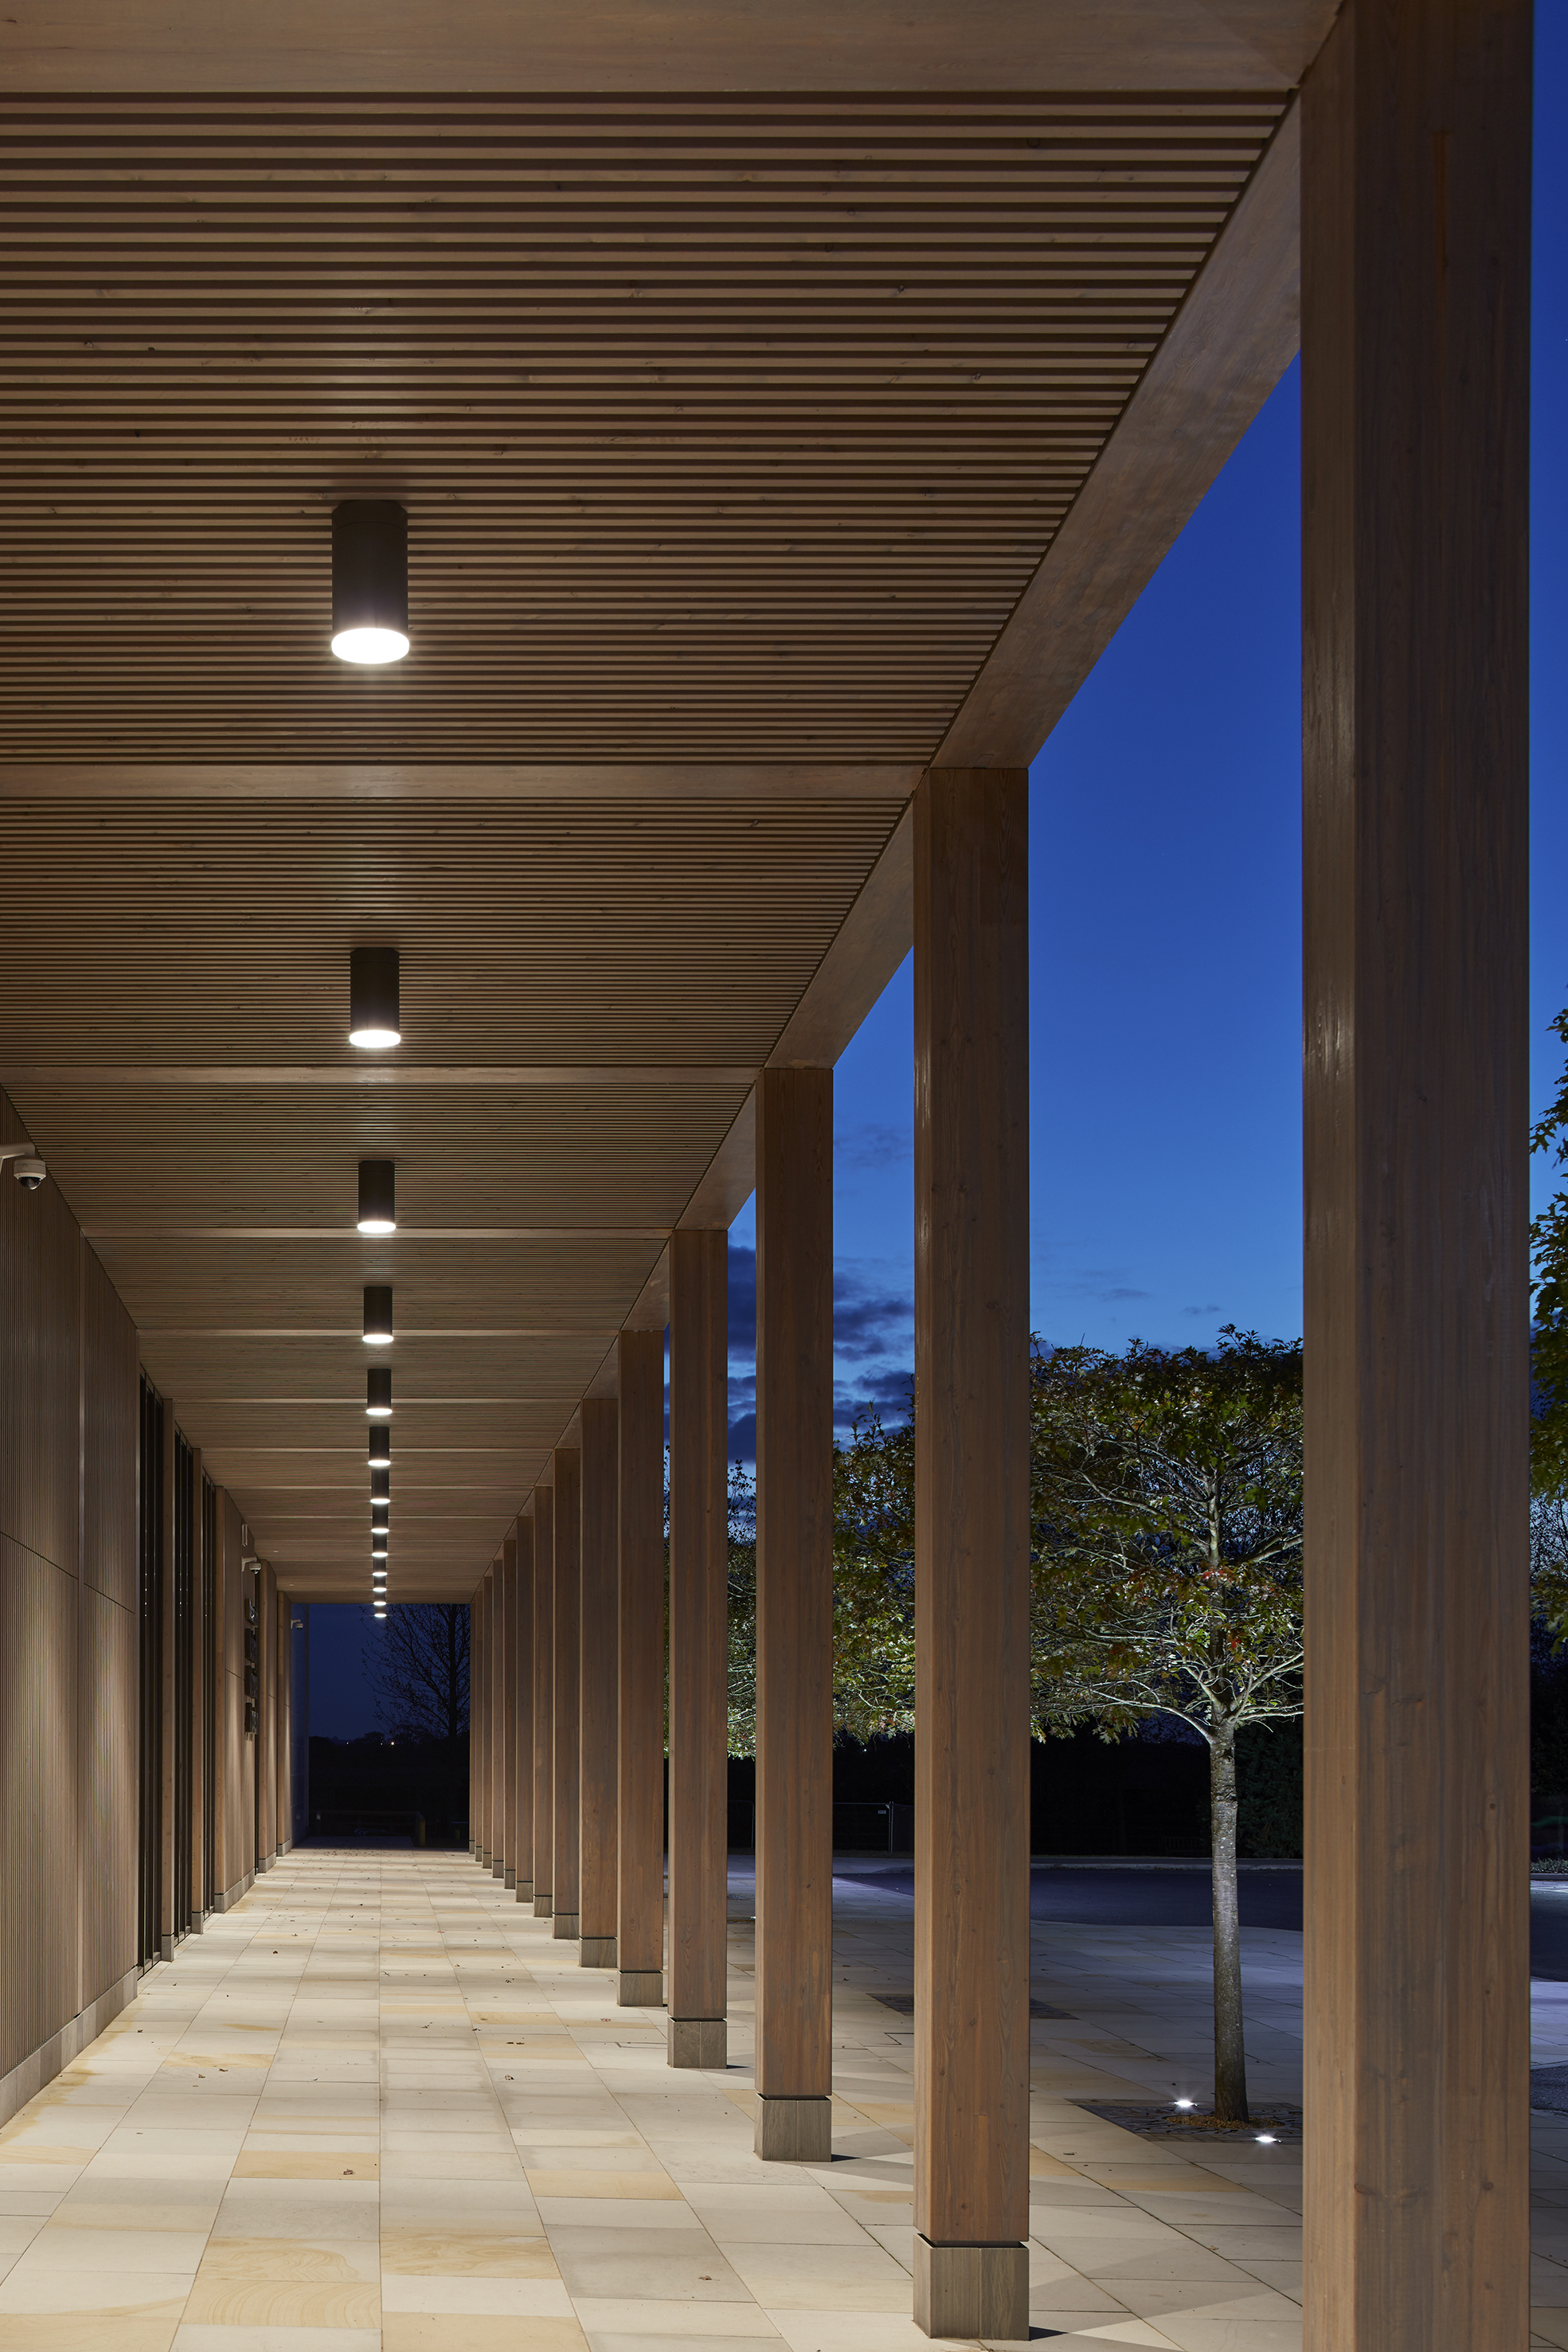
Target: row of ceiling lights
375,1023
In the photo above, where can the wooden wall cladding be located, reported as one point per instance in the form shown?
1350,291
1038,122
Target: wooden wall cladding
266,1741
108,1696
109,1438
236,1801
39,1819
40,1365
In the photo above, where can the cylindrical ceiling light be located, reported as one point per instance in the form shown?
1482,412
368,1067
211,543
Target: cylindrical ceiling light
378,1543
378,1315
381,1449
381,1487
378,1196
378,1512
369,581
378,1391
380,1611
375,1019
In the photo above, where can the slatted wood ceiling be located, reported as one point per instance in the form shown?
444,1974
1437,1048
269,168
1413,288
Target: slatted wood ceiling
731,429
728,426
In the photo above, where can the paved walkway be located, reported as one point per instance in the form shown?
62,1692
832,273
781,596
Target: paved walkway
376,2106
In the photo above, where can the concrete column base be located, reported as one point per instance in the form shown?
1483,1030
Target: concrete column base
541,1906
524,1890
642,1989
701,2041
972,2291
497,1867
484,1857
795,2131
511,1881
165,1948
598,1952
565,1926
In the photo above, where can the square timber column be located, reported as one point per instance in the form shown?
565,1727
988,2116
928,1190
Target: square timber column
971,1552
640,1812
795,1614
699,1603
1414,387
507,1763
475,1678
487,1653
568,1700
544,1698
168,1929
596,1906
523,1750
498,1719
200,1892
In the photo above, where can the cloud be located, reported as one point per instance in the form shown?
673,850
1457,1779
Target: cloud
871,1319
1212,1309
869,1148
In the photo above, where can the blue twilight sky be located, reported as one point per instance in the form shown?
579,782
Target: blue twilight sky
1164,950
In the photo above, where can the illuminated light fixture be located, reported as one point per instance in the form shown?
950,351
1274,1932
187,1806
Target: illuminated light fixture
380,1450
378,1391
369,581
378,1315
378,1513
381,1487
1265,2140
1183,2103
378,1543
381,1609
374,1022
378,1196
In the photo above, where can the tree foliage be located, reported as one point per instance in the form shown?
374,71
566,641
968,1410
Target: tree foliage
417,1663
1549,1355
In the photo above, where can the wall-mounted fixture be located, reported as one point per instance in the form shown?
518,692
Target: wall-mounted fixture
380,1450
375,1021
29,1170
378,1315
369,581
378,1391
378,1196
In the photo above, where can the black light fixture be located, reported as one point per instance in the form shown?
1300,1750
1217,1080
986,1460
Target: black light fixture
381,1487
378,1196
380,1448
378,1543
378,1315
369,581
378,1391
375,1018
378,1509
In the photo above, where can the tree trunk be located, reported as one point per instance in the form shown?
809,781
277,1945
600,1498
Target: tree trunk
1230,2049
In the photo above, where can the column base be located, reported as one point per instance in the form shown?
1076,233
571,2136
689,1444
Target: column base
497,1867
795,2131
524,1890
972,2290
598,1952
541,1906
565,1926
484,1858
642,1989
510,1882
700,2041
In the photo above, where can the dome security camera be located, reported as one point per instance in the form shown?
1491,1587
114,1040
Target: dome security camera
29,1170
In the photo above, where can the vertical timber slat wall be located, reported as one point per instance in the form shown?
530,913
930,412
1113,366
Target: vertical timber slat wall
283,1807
182,1595
68,1665
1416,226
196,1711
971,1553
498,1718
149,1668
699,1591
168,1698
266,1734
212,1694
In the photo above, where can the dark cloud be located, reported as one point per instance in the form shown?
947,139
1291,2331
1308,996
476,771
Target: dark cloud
743,1438
742,1300
865,1149
1212,1309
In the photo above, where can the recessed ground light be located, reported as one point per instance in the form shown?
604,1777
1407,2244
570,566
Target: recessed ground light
369,581
378,1315
1183,2103
378,1196
375,1018
380,1448
378,1391
1265,2140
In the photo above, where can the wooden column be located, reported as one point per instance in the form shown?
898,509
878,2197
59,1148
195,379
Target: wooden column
568,1697
222,1677
795,1614
640,1668
544,1699
283,1827
266,1738
596,1907
507,1764
1416,294
699,1588
475,1647
523,1749
971,1546
167,1743
200,1892
487,1653
498,1827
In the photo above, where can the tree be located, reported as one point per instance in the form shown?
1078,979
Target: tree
1167,1573
417,1663
1549,1352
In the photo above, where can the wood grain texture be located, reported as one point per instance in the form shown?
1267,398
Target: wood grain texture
39,1821
1415,370
971,1494
566,1703
506,1760
235,1752
794,1584
544,1694
522,1763
40,1347
107,1852
699,1588
639,1660
597,1741
168,1739
108,1439
201,1893
267,1743
482,1672
282,1803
